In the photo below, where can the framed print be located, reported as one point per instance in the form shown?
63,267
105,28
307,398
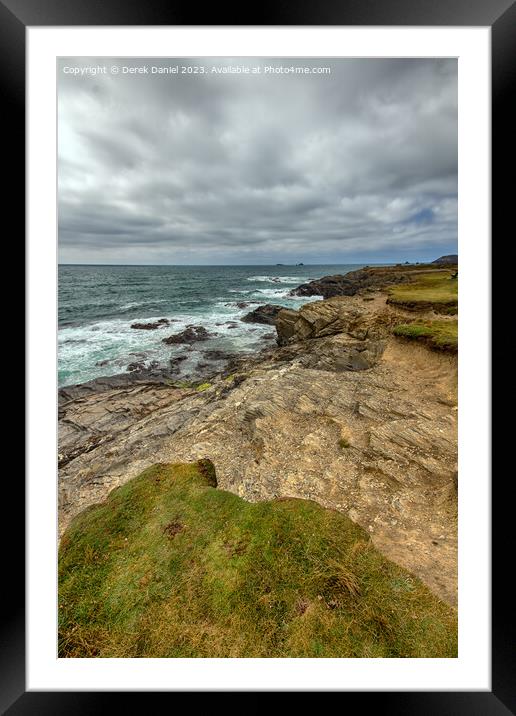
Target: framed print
259,453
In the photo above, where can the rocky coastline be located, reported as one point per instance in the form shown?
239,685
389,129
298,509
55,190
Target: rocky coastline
342,410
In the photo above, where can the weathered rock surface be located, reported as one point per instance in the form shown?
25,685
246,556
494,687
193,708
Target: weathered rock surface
191,334
335,315
376,440
263,314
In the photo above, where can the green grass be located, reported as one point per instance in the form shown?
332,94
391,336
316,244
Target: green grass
442,335
170,566
437,291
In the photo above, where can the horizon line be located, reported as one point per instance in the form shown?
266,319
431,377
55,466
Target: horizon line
329,263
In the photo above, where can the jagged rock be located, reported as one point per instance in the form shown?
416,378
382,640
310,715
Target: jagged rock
191,334
263,314
285,325
342,353
325,318
327,287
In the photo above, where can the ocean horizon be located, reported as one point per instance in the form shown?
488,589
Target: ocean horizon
97,303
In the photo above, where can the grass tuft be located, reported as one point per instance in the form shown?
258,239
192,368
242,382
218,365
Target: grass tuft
169,566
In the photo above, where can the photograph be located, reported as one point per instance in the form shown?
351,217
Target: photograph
257,357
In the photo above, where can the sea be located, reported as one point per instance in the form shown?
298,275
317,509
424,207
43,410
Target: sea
98,304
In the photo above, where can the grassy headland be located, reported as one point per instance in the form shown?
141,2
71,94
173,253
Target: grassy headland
170,566
436,291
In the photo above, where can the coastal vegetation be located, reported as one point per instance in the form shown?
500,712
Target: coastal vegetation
436,290
171,566
441,335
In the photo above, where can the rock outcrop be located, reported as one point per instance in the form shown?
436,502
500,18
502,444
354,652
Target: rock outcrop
368,278
152,326
191,334
263,314
335,315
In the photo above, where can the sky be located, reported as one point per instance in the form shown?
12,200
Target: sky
244,161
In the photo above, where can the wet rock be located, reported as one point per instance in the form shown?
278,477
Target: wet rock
151,326
263,314
136,366
191,334
175,363
216,355
327,287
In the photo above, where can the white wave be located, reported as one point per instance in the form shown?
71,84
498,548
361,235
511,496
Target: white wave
277,279
273,292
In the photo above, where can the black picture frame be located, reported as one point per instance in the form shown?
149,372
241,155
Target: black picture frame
500,15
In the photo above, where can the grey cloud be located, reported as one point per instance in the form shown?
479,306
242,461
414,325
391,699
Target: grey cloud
356,165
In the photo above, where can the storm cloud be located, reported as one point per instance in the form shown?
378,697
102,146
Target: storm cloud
358,164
